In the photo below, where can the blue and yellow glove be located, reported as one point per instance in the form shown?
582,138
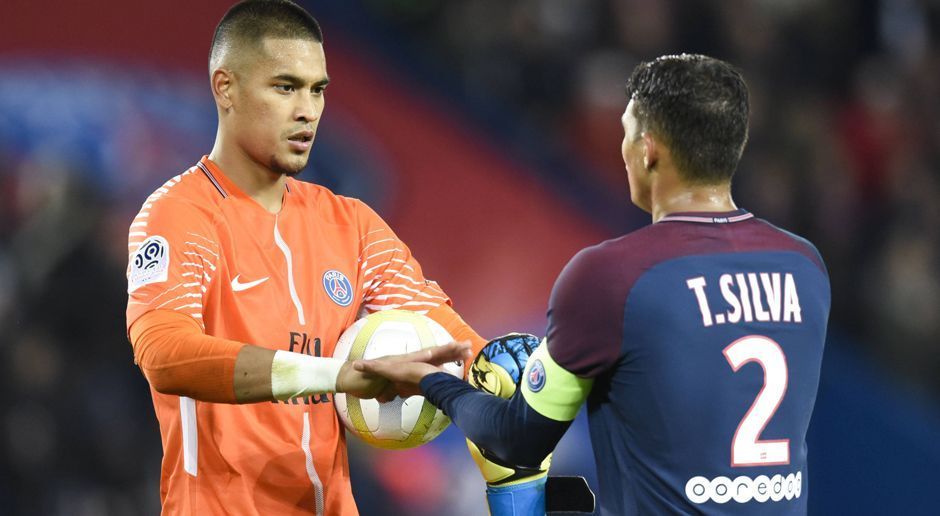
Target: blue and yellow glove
498,369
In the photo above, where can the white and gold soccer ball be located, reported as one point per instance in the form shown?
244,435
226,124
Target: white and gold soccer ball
400,423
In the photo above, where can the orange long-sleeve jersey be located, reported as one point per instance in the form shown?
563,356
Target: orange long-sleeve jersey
291,281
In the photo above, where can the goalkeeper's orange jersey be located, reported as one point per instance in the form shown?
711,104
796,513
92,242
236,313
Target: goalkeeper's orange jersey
291,281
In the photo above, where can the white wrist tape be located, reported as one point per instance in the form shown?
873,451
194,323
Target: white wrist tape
295,374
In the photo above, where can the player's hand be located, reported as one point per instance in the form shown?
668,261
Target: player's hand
405,372
359,384
498,370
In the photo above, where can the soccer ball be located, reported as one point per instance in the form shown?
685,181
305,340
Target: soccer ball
400,423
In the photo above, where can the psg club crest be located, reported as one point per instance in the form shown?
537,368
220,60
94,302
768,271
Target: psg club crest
536,377
337,287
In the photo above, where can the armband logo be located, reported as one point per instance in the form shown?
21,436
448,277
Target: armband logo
150,263
337,286
536,377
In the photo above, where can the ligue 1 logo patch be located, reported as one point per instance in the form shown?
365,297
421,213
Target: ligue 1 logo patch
149,263
536,377
337,287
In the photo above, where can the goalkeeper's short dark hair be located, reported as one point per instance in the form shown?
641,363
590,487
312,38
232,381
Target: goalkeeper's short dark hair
250,21
699,106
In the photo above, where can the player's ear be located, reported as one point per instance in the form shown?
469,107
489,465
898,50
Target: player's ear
650,151
222,81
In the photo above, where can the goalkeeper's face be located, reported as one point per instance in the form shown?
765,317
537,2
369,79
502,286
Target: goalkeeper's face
276,98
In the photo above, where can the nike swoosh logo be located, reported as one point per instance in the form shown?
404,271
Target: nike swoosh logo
238,286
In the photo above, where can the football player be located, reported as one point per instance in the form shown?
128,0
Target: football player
696,342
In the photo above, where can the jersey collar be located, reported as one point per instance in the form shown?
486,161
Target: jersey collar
212,173
222,183
723,217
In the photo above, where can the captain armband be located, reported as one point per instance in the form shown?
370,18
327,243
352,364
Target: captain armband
296,374
551,390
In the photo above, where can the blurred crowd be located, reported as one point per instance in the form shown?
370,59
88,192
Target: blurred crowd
845,124
78,431
844,149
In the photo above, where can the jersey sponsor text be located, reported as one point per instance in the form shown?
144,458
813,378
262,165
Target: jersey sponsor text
744,489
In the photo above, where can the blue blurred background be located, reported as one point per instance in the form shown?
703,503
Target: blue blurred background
487,133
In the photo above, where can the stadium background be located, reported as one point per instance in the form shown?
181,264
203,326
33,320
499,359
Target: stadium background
487,133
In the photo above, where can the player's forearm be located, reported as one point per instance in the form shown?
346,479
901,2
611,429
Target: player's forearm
509,429
177,358
252,375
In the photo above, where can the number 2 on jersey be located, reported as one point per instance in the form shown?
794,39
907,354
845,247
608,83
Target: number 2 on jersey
746,448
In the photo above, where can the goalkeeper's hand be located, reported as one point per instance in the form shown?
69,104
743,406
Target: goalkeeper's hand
498,370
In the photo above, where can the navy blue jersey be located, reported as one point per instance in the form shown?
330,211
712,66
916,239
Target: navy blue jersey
704,335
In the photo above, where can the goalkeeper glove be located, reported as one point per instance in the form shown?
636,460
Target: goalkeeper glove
498,369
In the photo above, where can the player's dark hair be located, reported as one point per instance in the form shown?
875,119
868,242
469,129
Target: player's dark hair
699,106
250,21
